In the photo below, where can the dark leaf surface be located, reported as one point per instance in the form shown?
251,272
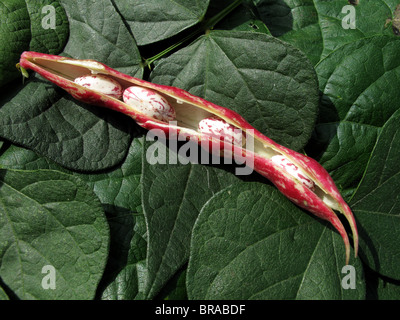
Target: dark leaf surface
271,249
48,218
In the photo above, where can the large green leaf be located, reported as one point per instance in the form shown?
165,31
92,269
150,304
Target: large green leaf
129,282
29,25
157,20
376,203
316,26
118,188
98,32
48,218
48,34
270,83
173,195
359,85
249,242
14,17
119,192
15,157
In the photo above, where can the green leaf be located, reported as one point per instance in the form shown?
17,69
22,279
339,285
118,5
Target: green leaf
3,295
376,203
129,282
15,157
380,287
156,20
386,290
270,83
120,187
99,33
24,26
48,218
173,195
15,18
316,27
119,191
249,242
46,37
175,289
359,85
73,134
344,149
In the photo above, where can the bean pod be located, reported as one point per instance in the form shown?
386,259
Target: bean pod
293,170
300,178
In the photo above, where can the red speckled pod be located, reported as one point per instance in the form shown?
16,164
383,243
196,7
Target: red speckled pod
314,190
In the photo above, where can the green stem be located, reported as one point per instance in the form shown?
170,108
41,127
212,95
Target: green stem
209,24
149,61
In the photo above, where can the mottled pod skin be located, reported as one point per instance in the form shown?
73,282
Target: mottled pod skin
293,170
322,200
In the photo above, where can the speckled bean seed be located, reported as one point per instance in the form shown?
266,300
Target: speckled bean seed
222,130
102,84
149,102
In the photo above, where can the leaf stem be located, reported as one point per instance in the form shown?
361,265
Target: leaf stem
208,24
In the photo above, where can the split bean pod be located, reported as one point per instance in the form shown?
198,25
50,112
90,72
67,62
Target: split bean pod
300,178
